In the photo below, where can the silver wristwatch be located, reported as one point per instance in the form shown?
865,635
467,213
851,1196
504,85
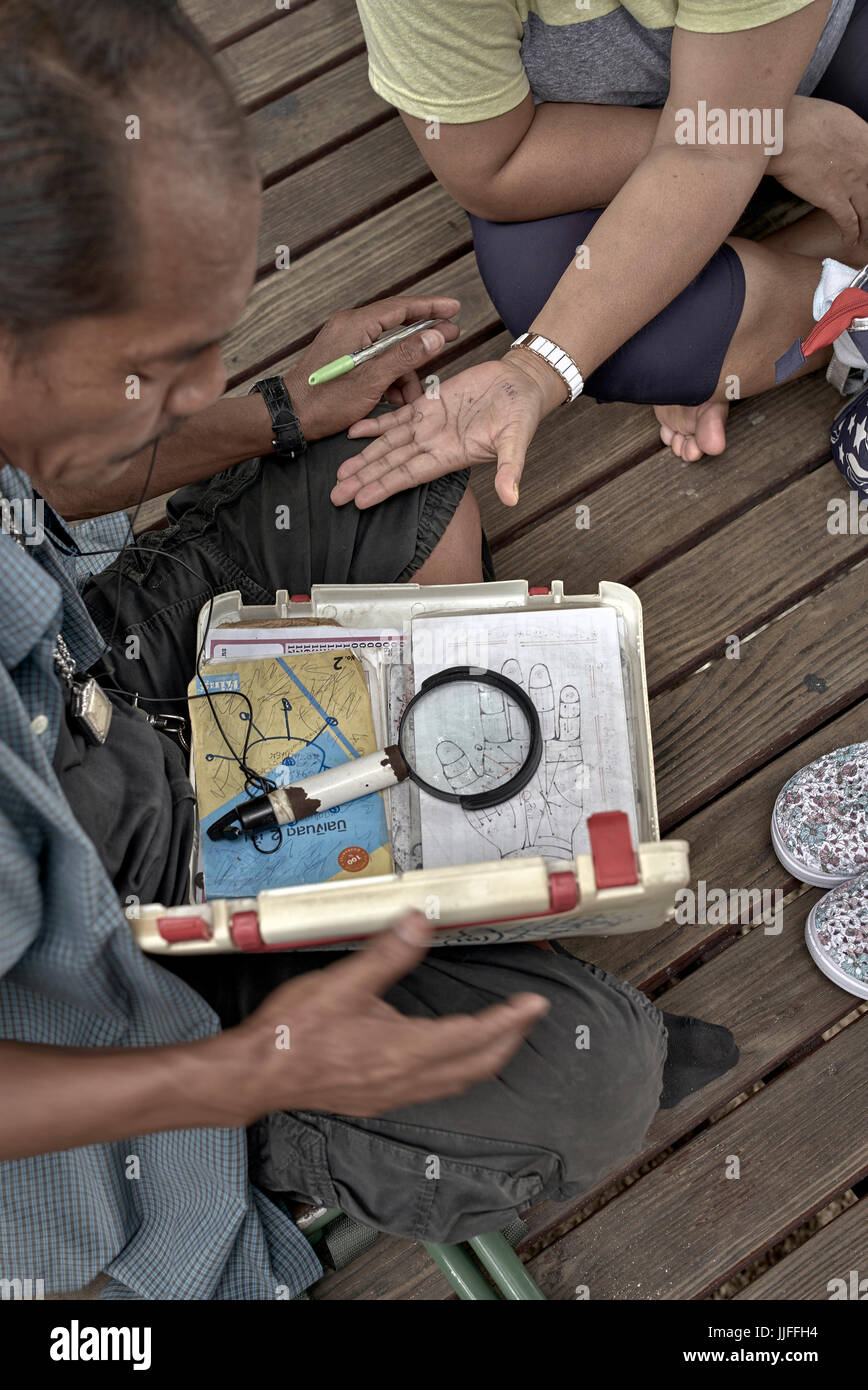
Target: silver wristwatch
557,358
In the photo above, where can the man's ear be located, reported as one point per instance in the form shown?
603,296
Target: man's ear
19,362
16,349
9,359
9,351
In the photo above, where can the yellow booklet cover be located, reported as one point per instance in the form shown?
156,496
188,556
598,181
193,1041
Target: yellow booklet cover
306,713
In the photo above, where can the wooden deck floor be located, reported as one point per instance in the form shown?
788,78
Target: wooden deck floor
737,547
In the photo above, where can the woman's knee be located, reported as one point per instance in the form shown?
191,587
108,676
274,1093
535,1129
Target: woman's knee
676,359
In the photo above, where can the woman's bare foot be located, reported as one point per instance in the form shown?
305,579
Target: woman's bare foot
780,284
693,430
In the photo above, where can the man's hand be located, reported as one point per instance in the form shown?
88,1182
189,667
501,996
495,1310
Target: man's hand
488,412
351,1053
825,161
325,409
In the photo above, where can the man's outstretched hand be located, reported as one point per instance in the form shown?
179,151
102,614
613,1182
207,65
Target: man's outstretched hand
487,413
327,1040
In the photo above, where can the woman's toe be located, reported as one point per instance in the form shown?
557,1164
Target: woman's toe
711,428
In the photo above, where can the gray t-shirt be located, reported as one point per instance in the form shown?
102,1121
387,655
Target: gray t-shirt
471,60
615,61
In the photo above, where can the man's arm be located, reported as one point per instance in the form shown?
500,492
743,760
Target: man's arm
54,1098
236,428
348,1052
228,432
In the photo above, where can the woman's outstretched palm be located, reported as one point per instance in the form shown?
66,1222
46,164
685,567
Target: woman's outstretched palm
488,412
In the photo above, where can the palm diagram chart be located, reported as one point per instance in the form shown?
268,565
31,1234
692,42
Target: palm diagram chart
545,817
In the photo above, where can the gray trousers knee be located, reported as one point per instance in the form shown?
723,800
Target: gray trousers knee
574,1102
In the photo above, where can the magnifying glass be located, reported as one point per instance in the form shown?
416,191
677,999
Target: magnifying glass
469,736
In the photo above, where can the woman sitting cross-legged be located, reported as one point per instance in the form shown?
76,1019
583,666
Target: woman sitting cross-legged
604,153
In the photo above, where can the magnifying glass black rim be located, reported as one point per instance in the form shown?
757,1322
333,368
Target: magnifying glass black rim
479,801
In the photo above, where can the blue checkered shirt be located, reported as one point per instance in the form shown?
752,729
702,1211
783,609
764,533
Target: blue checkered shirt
190,1225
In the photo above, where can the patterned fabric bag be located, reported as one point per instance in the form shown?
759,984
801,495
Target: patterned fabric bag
850,443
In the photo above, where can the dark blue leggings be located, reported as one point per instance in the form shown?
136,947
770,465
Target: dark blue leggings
676,359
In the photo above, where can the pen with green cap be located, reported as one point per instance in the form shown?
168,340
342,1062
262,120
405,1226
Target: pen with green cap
355,359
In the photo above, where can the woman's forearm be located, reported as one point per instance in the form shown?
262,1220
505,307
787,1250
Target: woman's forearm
667,221
684,198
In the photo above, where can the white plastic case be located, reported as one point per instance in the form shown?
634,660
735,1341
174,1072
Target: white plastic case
616,888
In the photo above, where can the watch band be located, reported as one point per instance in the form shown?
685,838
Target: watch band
288,439
557,358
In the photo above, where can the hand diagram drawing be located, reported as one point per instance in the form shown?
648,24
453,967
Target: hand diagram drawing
545,817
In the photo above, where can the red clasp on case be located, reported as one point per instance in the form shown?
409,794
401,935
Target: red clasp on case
563,892
612,849
183,929
245,933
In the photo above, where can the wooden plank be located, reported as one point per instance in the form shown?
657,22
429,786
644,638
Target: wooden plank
572,452
391,1269
682,1229
830,1254
325,198
387,252
307,123
307,42
730,847
719,725
744,575
222,20
766,989
772,440
297,135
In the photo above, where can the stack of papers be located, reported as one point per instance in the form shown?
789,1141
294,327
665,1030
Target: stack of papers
569,662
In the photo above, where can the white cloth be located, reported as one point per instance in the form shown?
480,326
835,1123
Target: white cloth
848,370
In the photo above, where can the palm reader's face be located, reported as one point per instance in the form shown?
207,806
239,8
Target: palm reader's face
93,391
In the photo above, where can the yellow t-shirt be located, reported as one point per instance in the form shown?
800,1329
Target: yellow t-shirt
469,60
